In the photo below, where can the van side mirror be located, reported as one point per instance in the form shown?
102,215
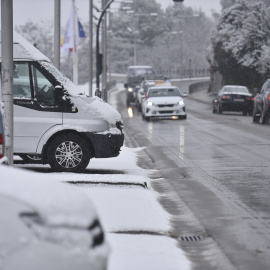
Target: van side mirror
58,94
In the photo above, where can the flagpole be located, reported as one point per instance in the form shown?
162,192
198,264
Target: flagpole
75,52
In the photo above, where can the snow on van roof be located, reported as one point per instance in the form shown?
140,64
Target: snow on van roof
24,50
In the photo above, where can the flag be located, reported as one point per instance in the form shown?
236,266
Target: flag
67,42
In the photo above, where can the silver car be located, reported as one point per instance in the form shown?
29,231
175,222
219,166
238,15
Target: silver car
45,225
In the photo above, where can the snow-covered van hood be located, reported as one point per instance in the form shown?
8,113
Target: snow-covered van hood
101,109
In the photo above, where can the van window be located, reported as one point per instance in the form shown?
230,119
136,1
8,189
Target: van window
21,81
43,89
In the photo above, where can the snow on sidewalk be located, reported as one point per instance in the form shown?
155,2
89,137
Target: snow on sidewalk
134,208
135,223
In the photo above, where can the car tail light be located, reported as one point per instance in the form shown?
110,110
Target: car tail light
1,146
252,98
268,97
226,97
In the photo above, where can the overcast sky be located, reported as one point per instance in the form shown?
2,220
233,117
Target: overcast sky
43,10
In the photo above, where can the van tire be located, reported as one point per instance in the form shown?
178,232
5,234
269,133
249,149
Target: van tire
63,159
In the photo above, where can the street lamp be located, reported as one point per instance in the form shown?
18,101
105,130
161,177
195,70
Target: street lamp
99,56
136,31
181,45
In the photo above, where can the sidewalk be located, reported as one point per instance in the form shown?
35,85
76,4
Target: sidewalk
202,96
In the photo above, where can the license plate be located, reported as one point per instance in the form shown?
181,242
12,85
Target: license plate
239,99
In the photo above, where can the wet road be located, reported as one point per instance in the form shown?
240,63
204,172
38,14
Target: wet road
212,174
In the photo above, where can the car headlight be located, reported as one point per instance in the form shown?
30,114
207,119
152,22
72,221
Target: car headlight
181,103
130,89
150,103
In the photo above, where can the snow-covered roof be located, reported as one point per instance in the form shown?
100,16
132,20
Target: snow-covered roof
24,50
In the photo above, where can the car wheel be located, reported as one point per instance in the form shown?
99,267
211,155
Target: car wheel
255,118
139,108
69,153
147,118
31,159
219,109
214,110
182,117
264,117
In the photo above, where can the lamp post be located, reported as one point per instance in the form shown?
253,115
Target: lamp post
181,47
98,54
137,31
57,32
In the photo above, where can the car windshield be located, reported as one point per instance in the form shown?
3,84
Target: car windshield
163,92
236,90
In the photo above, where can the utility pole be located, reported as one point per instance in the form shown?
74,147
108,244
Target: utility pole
7,74
104,52
75,52
90,47
57,33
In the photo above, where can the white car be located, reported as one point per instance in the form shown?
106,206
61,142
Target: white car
145,85
163,101
47,225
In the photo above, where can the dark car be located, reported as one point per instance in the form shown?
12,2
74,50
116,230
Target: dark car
235,98
134,79
262,104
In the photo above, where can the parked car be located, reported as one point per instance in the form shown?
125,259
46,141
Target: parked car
134,79
48,225
163,101
234,98
262,104
54,124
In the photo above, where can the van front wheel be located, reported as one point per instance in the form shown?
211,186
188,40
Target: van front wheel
69,153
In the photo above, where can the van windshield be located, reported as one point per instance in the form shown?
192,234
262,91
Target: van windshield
64,81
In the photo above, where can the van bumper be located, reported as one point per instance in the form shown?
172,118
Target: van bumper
106,145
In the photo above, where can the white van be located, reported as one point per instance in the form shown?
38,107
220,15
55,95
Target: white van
54,124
